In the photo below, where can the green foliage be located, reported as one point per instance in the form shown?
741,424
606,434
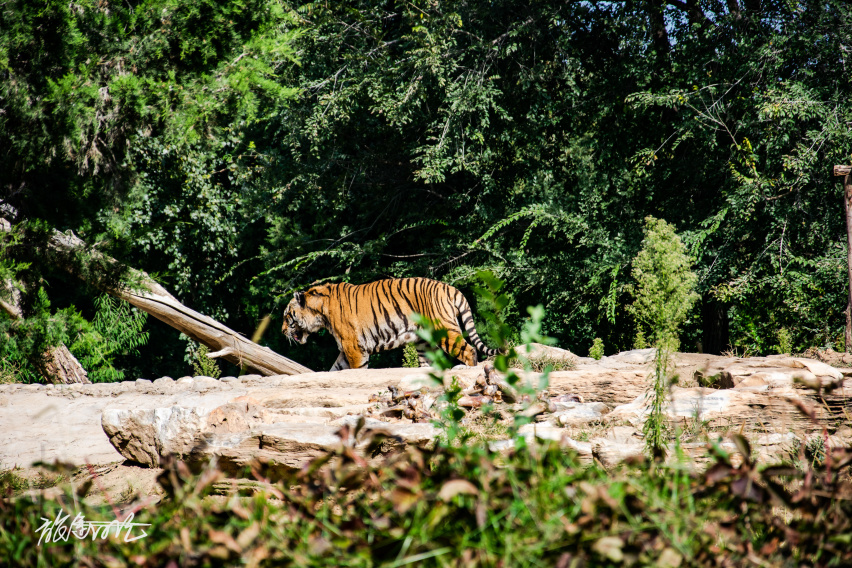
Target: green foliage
656,428
530,506
596,351
440,140
664,295
116,332
489,294
785,341
410,358
665,283
101,346
203,365
25,342
640,342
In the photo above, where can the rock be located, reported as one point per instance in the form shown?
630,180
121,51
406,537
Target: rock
581,413
326,412
416,382
620,444
204,384
540,351
145,436
547,433
421,434
240,414
146,419
542,431
754,382
817,368
186,424
611,454
766,449
291,446
634,357
597,384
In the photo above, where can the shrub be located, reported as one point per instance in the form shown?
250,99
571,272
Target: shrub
785,341
409,356
664,295
202,364
596,351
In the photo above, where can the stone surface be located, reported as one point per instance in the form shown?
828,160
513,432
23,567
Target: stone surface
288,419
580,413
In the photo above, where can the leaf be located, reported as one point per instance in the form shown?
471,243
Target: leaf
457,487
610,548
742,446
718,472
403,499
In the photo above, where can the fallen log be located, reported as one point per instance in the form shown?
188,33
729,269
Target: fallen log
152,298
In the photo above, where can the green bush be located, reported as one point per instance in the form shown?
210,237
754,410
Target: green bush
596,351
785,341
640,342
117,331
463,504
202,365
664,295
410,358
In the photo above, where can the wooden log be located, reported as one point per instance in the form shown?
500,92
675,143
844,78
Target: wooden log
842,170
60,366
152,298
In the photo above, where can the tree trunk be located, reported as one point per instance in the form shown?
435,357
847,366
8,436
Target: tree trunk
58,364
715,334
659,34
152,298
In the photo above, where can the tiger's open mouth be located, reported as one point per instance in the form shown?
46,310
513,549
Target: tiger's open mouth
299,336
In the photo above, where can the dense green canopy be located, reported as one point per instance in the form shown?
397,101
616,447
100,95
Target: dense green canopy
243,149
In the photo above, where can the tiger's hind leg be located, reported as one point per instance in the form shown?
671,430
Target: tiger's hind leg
421,347
356,358
456,346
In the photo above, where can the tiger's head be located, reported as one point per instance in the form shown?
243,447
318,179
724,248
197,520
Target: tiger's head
302,317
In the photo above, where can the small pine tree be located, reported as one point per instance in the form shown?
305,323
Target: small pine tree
409,356
640,342
665,284
664,295
203,365
785,341
596,351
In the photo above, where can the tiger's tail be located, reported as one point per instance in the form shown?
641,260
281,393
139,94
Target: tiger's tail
466,316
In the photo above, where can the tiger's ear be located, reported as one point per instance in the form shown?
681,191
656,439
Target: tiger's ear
300,299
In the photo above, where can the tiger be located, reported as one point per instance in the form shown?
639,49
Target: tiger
369,318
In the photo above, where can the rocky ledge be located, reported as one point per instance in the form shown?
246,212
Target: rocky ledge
597,408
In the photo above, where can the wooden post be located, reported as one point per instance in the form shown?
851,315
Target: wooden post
845,171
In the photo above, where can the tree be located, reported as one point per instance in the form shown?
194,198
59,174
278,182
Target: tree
91,90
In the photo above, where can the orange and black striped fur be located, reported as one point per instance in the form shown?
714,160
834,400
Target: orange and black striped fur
376,317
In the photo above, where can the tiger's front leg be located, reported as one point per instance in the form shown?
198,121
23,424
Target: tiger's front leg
340,364
351,359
